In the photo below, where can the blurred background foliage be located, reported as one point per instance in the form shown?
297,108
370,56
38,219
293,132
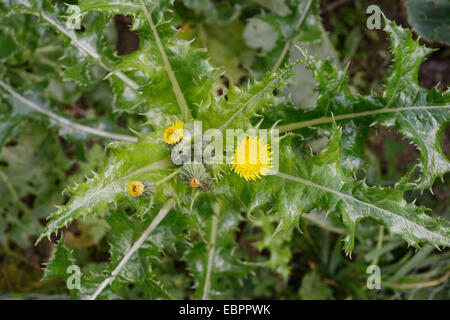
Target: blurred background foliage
38,160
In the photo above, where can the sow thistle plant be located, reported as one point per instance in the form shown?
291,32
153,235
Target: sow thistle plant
198,206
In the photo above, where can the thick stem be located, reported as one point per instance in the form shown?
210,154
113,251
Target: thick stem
159,217
175,86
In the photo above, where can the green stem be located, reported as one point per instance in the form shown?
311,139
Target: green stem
170,176
211,251
379,245
291,39
323,120
175,86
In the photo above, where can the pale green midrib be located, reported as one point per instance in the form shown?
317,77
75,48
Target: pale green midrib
173,80
434,236
161,164
64,121
397,85
89,50
226,123
324,120
288,43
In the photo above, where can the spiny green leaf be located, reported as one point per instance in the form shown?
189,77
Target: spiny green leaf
144,160
148,68
324,186
62,260
419,114
402,88
124,231
422,126
239,105
191,69
277,244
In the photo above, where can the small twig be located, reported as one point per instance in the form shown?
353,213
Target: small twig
159,217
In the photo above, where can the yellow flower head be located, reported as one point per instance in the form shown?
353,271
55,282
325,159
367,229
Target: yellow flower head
173,134
249,162
136,188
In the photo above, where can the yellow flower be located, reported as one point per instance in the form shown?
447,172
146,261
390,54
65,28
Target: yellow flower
136,188
249,162
173,134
